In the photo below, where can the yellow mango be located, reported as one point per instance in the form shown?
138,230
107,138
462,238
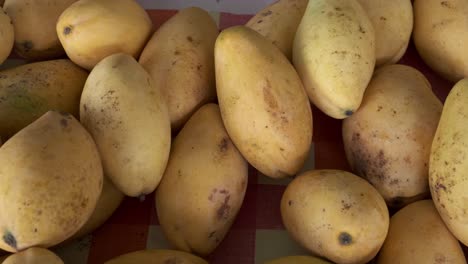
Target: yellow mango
448,165
180,59
51,178
29,91
33,256
278,22
334,54
35,20
388,140
336,215
127,117
209,171
157,256
91,30
417,234
7,35
263,104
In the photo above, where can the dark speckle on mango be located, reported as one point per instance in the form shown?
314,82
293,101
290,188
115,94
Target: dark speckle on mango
368,164
349,112
267,13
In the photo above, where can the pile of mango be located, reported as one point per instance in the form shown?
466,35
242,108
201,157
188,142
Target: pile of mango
108,107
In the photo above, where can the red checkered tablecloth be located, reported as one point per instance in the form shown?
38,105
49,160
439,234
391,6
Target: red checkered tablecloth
257,234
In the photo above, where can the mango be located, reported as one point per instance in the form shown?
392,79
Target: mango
212,175
108,202
126,115
7,35
440,28
388,140
51,178
278,22
180,59
157,256
334,54
29,91
393,24
263,104
447,164
33,255
91,30
336,215
35,20
417,234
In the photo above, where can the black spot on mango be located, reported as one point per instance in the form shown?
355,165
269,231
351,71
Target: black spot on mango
345,239
27,45
67,30
9,239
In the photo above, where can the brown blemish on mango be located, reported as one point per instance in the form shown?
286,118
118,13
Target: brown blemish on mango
439,259
223,145
223,211
63,122
446,4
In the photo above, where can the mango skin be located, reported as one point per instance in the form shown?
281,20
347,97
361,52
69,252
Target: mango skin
388,140
394,23
440,29
124,112
7,35
278,22
334,54
35,20
447,165
417,234
180,59
211,173
263,104
53,192
91,30
157,256
336,215
29,91
108,202
33,256
297,260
